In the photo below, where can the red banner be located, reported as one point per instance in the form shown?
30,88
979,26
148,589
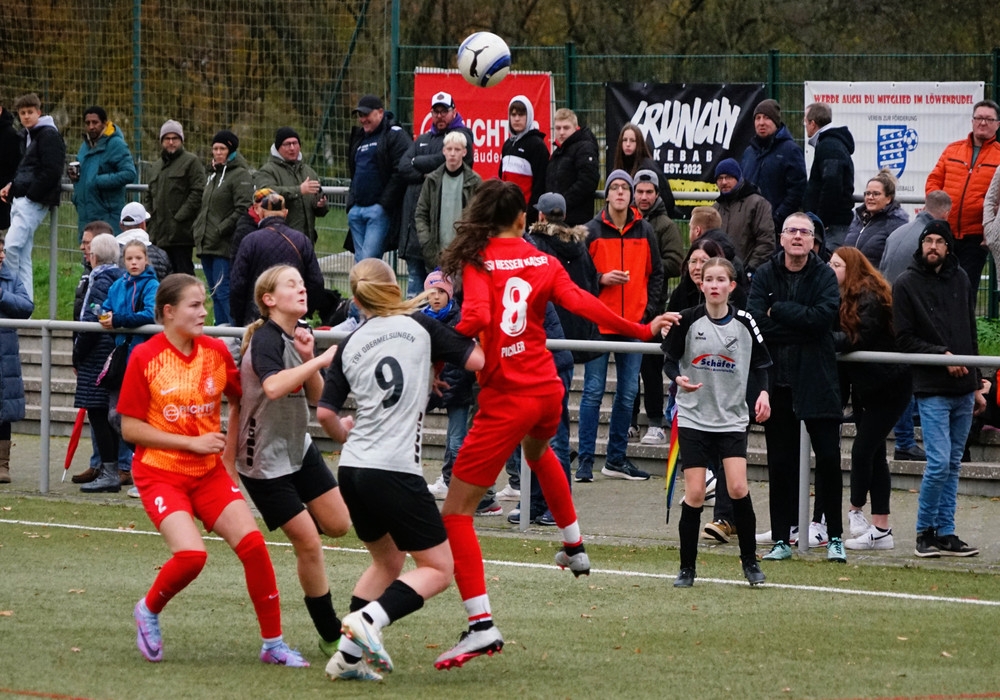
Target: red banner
484,110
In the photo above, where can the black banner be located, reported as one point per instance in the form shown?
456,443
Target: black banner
688,128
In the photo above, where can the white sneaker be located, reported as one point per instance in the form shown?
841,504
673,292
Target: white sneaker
654,436
509,494
633,433
766,538
438,489
818,536
340,669
872,539
709,487
133,492
859,523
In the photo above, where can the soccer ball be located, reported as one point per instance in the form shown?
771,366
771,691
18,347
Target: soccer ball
484,59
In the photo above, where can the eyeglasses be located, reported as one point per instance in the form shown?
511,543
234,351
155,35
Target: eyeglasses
934,241
619,188
984,120
440,111
804,232
873,193
171,137
697,262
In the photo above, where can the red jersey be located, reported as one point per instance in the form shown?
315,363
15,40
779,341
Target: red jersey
179,394
505,306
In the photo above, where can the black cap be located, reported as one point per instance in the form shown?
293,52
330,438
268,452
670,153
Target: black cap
227,139
366,104
283,134
938,227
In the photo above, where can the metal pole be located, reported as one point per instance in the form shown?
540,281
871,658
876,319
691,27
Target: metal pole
803,488
525,520
45,418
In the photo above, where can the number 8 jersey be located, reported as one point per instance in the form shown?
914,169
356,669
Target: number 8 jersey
386,363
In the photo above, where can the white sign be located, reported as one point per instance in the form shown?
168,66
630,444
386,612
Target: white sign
900,126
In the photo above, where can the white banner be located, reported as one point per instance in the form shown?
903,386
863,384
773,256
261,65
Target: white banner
900,126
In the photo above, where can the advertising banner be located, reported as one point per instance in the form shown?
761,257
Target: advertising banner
901,126
688,127
484,110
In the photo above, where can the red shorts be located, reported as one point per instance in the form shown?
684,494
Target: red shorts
498,427
203,497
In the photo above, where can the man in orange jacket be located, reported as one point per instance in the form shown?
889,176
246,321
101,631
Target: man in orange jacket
964,171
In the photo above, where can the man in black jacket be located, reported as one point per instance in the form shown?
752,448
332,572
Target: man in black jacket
933,313
573,168
376,185
830,190
35,186
10,158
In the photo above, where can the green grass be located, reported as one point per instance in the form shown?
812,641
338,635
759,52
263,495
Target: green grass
66,628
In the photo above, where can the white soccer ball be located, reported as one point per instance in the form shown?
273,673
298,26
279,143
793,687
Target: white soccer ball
484,59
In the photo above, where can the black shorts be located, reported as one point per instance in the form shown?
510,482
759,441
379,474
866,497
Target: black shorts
282,498
700,448
395,503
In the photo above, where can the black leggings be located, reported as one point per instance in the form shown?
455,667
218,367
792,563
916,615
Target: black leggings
107,439
4,431
875,414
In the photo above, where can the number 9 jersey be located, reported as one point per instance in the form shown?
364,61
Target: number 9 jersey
386,363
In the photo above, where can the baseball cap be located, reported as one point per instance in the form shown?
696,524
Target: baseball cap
134,214
366,104
442,98
551,203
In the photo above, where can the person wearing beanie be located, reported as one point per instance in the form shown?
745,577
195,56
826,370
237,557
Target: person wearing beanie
746,215
446,191
774,162
524,156
933,312
173,198
626,256
228,193
105,168
287,174
423,156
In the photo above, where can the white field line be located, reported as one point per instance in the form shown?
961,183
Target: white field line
609,572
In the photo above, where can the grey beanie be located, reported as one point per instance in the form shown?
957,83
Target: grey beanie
617,175
171,127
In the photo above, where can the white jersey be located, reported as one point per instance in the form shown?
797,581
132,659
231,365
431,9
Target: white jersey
386,364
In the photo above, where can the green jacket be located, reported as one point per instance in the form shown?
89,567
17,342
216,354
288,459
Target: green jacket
174,198
428,213
284,178
228,193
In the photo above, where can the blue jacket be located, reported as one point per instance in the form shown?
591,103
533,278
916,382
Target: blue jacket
14,303
105,168
132,302
778,168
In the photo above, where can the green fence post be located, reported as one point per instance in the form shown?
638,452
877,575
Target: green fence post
137,82
992,301
571,75
772,73
394,61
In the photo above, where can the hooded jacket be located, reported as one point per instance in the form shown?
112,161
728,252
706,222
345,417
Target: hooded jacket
228,193
803,308
422,157
632,248
158,258
10,158
173,200
428,214
284,177
132,302
105,168
525,158
39,174
746,218
777,167
966,182
932,313
830,191
869,237
569,247
574,172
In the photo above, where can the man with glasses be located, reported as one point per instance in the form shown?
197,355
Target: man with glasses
422,157
287,174
964,171
932,313
795,300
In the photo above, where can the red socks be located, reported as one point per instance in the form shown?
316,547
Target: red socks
180,570
470,576
261,583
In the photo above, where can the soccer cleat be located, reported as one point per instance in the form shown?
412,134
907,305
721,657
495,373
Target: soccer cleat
753,573
283,655
340,669
438,489
685,578
859,523
835,551
508,494
625,470
951,546
471,644
927,545
329,648
654,436
817,535
365,635
578,563
719,530
148,637
873,539
778,552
